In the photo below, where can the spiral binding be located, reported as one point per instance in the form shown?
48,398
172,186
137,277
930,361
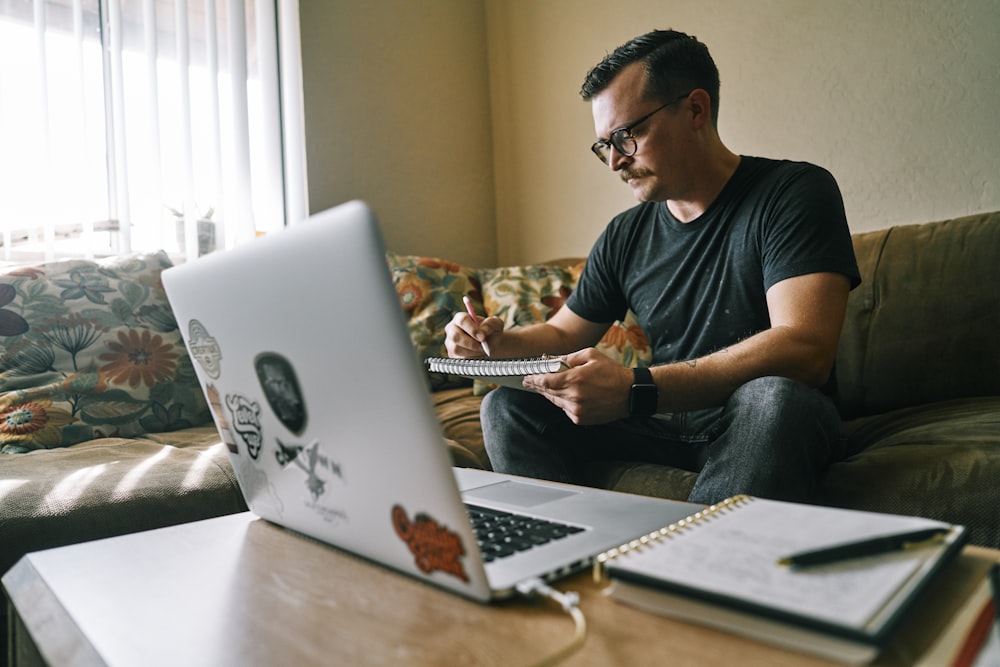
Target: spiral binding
668,532
495,367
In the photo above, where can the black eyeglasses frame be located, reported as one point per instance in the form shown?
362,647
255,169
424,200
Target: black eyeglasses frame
602,147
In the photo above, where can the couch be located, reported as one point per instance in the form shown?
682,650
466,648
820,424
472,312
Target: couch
104,431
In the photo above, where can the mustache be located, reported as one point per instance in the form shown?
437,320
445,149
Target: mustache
628,174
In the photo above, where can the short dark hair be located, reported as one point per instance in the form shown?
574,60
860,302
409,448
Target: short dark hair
674,63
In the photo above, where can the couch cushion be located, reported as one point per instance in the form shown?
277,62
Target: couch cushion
938,460
91,349
922,327
458,413
430,291
112,486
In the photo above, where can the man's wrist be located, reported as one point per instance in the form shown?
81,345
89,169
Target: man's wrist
644,395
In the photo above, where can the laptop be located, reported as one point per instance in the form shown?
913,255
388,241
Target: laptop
301,347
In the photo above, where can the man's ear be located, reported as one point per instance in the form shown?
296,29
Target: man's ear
701,107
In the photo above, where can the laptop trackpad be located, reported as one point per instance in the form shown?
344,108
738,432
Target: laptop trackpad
517,494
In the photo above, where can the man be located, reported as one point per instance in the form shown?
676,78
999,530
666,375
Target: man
738,269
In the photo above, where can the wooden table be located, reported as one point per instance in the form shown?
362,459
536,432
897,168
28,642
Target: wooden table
240,591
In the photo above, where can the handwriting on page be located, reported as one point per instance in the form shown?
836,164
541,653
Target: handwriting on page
736,555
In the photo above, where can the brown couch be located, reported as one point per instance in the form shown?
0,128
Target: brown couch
919,376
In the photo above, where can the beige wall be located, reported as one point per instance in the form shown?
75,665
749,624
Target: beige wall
897,98
396,100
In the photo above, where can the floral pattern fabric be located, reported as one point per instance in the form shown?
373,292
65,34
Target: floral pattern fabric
523,295
530,294
430,292
91,349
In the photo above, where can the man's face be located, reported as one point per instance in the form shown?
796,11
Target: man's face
653,171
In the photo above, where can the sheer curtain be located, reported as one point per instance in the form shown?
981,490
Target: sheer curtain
136,125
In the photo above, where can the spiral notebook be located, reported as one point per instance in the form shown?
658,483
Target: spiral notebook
507,372
720,567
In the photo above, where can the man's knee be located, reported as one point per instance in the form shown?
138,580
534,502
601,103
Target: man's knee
491,406
778,396
785,414
503,405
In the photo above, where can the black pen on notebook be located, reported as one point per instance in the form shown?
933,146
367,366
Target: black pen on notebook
913,539
475,320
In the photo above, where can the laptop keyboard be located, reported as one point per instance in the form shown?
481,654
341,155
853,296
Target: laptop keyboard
501,534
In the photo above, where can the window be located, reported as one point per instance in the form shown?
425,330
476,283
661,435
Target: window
135,125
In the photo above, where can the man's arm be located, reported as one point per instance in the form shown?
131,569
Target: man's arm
807,313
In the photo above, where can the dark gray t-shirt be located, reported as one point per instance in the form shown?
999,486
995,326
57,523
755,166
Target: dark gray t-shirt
699,287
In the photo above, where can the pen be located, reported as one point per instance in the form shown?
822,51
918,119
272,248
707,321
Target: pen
914,539
475,320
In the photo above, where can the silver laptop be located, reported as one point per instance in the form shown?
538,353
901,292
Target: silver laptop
300,345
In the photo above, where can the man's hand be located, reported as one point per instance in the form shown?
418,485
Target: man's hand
594,390
464,337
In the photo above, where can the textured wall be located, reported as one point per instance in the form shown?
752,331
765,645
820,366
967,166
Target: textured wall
900,99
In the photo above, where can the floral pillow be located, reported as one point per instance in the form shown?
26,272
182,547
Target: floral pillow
626,343
523,295
430,291
91,349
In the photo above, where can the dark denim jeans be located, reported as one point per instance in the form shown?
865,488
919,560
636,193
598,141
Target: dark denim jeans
773,438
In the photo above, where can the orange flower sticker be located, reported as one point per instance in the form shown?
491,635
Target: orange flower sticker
433,546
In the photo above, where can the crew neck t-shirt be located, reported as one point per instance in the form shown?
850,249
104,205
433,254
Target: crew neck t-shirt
701,286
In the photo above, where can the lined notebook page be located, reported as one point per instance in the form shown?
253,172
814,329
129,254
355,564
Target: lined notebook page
735,552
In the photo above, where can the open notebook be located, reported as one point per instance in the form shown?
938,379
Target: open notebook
721,567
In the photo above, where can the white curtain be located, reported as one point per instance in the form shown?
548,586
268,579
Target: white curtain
136,125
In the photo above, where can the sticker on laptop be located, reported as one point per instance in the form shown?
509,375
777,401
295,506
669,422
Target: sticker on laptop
434,547
309,458
215,405
204,349
246,422
281,388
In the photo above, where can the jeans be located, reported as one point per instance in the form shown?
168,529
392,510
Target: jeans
772,438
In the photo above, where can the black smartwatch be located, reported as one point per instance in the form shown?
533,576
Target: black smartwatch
644,396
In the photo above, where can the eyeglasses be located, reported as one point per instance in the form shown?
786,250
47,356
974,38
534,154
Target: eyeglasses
622,139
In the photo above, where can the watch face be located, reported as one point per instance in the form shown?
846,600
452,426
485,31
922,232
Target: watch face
644,395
